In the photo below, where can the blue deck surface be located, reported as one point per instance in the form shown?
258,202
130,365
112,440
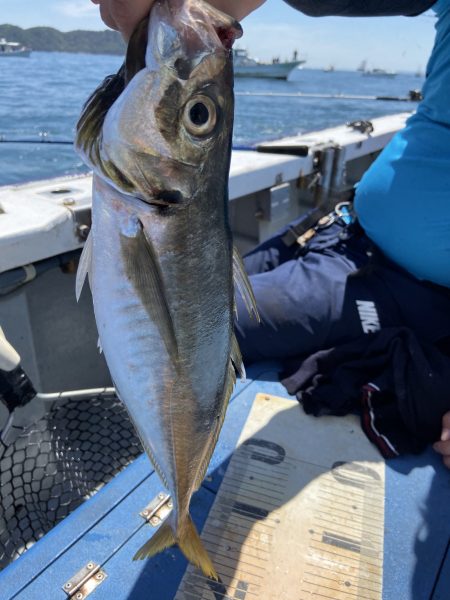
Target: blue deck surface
109,530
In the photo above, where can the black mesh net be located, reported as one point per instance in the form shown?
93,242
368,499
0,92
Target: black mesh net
60,461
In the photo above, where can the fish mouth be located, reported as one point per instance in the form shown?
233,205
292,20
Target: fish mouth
182,32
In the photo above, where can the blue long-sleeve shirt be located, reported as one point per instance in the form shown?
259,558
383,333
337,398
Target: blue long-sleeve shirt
361,8
403,200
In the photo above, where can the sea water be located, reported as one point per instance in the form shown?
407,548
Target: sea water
41,98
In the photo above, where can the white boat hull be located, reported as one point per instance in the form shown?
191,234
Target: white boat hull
267,71
16,54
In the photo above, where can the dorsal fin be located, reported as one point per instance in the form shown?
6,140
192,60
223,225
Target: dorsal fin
89,126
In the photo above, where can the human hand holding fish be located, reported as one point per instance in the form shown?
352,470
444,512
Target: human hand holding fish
124,15
159,256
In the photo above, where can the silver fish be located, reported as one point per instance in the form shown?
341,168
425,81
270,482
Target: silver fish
160,256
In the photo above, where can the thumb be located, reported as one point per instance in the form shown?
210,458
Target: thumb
445,434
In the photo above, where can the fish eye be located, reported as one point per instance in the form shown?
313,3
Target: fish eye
200,116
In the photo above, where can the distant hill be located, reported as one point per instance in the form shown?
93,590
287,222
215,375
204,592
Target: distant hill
52,40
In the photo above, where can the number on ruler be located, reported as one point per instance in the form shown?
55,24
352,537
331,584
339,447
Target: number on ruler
342,472
278,456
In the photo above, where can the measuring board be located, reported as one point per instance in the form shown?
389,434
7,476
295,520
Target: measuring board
299,514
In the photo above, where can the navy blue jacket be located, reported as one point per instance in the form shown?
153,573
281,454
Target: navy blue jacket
361,8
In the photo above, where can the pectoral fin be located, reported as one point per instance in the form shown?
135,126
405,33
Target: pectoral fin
236,357
243,285
84,266
143,270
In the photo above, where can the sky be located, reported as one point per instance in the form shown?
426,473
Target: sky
276,29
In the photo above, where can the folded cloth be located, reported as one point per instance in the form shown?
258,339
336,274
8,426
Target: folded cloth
400,384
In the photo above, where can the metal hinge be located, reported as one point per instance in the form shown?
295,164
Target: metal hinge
84,582
158,509
82,216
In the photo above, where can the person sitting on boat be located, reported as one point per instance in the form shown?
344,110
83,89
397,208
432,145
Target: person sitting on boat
375,288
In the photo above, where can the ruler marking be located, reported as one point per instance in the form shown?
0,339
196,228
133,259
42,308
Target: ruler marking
243,548
210,538
374,534
263,522
330,555
211,587
339,489
207,531
337,511
345,576
242,464
228,571
341,555
232,556
331,549
215,553
337,589
218,593
227,492
316,594
261,461
232,521
252,488
334,499
353,502
269,486
255,485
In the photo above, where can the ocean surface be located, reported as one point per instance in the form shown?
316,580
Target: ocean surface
41,98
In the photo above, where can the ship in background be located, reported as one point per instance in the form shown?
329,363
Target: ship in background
375,72
13,49
245,66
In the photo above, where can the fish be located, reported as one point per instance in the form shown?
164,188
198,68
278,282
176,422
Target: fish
159,257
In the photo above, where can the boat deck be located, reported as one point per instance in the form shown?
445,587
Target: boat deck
298,507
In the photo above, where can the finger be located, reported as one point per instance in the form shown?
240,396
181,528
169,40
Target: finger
446,461
442,447
445,435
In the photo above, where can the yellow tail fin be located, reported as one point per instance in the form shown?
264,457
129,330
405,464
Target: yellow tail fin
189,543
162,539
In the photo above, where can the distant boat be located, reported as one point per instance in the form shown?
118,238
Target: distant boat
362,66
374,72
245,66
329,69
379,73
13,49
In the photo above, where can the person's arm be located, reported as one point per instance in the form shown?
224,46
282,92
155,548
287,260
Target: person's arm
361,8
124,15
443,446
